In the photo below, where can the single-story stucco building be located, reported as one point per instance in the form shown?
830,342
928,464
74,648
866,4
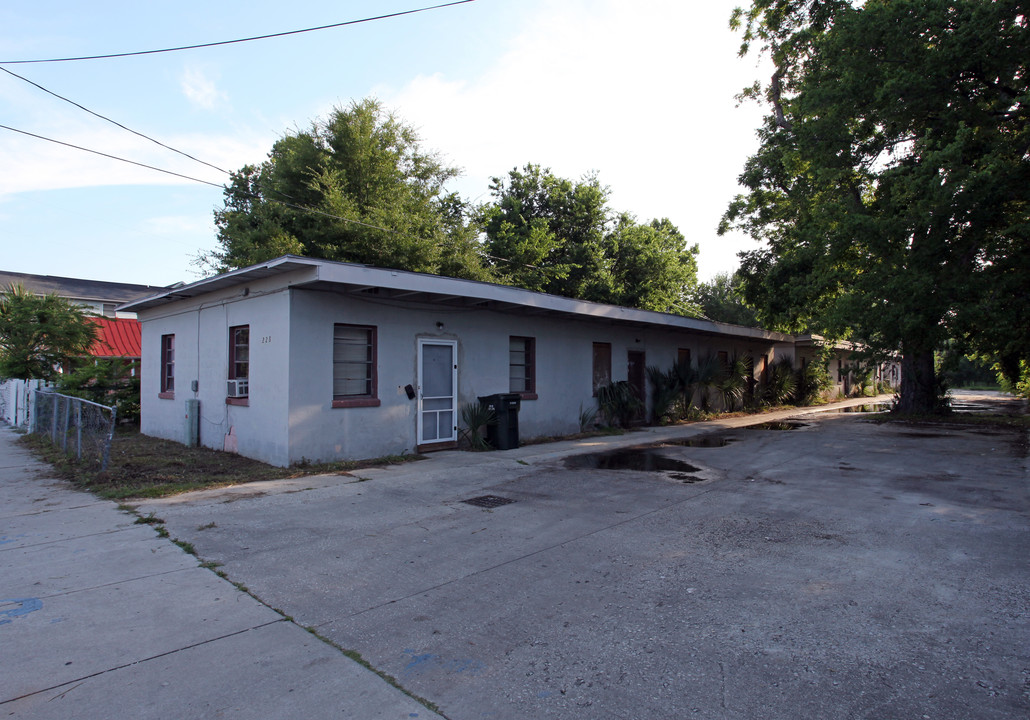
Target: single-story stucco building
305,359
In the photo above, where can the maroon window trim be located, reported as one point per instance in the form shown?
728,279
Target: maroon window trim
355,366
239,352
167,367
522,366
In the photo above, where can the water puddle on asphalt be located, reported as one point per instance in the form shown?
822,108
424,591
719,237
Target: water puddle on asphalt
711,440
777,425
643,459
873,408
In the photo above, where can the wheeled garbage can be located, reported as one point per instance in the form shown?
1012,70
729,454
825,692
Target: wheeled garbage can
503,431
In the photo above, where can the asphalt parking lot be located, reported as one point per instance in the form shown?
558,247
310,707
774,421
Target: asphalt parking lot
838,569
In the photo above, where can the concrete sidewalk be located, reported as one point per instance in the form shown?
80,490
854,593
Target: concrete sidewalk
848,569
101,618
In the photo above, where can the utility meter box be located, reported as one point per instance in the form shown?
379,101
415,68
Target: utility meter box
192,422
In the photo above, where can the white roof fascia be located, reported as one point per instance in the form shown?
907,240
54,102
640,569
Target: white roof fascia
363,276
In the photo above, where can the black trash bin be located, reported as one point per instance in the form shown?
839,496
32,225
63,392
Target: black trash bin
503,431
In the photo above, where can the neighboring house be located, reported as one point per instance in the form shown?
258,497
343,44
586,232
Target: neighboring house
118,334
305,359
841,368
99,297
117,338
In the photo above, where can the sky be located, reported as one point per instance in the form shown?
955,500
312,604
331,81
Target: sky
641,92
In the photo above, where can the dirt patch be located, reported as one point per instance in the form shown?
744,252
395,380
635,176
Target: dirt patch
143,467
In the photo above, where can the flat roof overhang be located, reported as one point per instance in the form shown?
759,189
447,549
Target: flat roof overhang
409,287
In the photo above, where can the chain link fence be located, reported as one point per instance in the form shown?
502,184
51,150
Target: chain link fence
79,427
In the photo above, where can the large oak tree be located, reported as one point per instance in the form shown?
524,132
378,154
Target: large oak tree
891,189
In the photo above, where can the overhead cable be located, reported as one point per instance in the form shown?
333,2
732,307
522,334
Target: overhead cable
112,157
113,122
239,40
254,196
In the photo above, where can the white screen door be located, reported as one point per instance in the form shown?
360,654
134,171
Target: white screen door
437,391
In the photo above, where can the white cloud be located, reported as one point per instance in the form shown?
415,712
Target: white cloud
200,90
31,164
642,92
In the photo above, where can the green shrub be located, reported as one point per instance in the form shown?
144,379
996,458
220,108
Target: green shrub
618,403
106,382
476,416
782,383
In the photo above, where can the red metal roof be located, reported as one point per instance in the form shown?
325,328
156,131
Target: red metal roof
116,338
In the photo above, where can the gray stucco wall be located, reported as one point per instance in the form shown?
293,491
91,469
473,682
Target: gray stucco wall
201,332
564,349
289,416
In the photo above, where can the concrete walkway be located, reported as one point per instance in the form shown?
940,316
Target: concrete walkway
102,618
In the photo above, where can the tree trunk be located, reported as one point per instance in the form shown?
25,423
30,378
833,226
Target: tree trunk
918,394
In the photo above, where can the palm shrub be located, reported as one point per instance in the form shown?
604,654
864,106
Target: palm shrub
782,383
706,381
665,391
812,382
586,418
686,385
732,383
476,416
618,403
863,380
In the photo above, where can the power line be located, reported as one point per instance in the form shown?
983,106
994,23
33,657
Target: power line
112,157
249,194
113,122
240,40
252,195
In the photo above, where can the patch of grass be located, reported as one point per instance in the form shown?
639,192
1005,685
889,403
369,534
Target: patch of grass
148,467
187,547
148,520
208,526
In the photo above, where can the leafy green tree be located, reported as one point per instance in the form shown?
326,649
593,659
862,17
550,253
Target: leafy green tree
355,187
891,189
558,236
722,300
38,334
546,233
650,266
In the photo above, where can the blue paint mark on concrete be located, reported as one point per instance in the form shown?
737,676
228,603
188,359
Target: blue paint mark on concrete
4,539
424,662
25,606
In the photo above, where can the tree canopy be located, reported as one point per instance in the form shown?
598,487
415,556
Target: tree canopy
355,187
358,187
722,299
891,188
40,333
554,235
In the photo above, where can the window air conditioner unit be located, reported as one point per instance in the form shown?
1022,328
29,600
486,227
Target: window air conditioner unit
238,388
